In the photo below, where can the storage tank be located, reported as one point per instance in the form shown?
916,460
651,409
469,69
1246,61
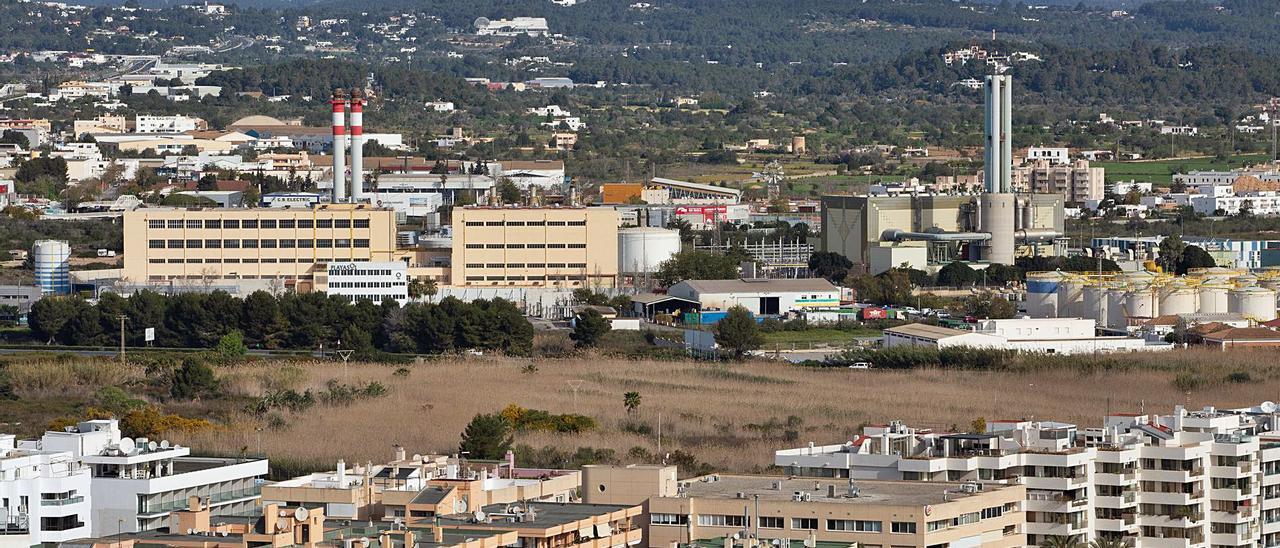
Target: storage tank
1178,299
1094,303
1071,298
643,249
1254,303
1215,274
1141,303
1245,280
52,259
1042,294
1213,299
1115,307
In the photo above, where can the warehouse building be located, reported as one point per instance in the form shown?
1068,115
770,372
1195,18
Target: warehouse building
767,297
524,246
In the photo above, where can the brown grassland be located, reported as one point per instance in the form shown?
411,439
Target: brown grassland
714,411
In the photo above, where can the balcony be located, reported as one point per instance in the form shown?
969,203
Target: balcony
61,502
154,508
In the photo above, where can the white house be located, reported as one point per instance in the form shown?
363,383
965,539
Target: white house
529,26
760,296
1058,156
44,496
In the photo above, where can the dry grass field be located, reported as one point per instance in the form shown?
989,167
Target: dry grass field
709,409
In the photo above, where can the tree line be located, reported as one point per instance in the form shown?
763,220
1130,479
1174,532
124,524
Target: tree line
291,321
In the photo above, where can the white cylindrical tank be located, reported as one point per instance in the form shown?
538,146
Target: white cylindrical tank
1254,303
1142,303
1215,274
1245,280
1115,307
52,260
643,249
1178,299
1213,299
1071,299
997,212
1094,303
1042,294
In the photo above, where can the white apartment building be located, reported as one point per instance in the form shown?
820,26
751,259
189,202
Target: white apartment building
1190,479
366,280
145,123
1120,188
1258,203
44,496
135,484
1054,155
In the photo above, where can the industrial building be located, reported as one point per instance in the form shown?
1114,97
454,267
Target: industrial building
820,512
768,297
927,231
1126,300
524,246
660,191
1193,478
364,280
1043,335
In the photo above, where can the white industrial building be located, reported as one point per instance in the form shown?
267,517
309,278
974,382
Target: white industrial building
530,173
1257,203
145,123
1190,479
528,26
1053,155
759,296
366,280
1043,335
44,496
135,484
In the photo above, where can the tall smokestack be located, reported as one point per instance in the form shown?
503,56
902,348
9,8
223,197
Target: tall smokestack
357,147
998,206
339,147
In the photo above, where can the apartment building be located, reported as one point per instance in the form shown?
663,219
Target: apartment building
1199,478
524,246
43,496
1076,181
290,245
144,123
840,512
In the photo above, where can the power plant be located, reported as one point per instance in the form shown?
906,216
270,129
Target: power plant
1119,300
928,231
340,105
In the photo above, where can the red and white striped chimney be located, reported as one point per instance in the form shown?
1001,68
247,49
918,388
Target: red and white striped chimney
357,148
339,147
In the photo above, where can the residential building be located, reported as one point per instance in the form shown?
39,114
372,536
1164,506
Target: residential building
364,280
528,26
1120,188
44,496
840,512
550,525
528,246
168,124
768,297
184,246
1077,181
1260,203
630,484
1054,155
136,484
198,526
1192,478
106,123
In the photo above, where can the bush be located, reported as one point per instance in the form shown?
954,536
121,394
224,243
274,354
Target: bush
194,379
1187,382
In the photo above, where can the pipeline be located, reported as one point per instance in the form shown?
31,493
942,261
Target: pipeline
897,235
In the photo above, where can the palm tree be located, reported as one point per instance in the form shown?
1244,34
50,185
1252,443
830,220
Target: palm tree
1111,543
429,288
422,287
1059,541
631,400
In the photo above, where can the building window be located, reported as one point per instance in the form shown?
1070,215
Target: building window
515,246
493,223
231,224
249,223
475,223
249,244
903,527
213,244
288,223
577,246
173,224
324,243
536,223
194,244
342,223
194,223
155,261
306,223
268,244
992,512
155,223
155,244
493,265
306,244
556,246
362,223
937,525
361,243
854,525
324,223
537,246
805,524
231,244
475,246
268,223
771,522
555,223
287,243
966,519
668,519
577,265
721,520
577,223
212,223
342,243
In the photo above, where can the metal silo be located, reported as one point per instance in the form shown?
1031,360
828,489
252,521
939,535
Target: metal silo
52,259
1094,303
1116,296
1254,303
1071,298
1141,302
1042,294
1213,299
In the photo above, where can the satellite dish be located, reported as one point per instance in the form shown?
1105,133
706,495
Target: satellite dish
164,444
481,22
151,446
479,515
281,526
301,514
126,445
1268,407
191,531
223,533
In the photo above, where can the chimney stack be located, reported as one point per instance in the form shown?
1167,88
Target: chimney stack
357,147
339,146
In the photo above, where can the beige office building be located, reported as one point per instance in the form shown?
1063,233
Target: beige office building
870,513
518,246
291,245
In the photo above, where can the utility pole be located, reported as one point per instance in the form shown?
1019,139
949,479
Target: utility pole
122,318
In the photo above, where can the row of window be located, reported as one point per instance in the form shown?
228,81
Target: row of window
777,522
287,243
526,265
526,223
526,246
366,285
258,223
565,278
234,261
359,272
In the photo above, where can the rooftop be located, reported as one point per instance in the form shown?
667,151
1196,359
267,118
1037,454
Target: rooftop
546,514
926,331
759,285
895,493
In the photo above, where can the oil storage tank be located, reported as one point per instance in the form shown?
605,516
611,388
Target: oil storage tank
1042,294
1116,296
1255,303
52,260
1212,299
643,249
1071,298
1178,299
1094,303
1141,302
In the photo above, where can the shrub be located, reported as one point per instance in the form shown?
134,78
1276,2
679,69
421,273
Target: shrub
1187,382
1239,377
194,379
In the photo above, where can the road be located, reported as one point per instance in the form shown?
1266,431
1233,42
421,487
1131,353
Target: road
234,43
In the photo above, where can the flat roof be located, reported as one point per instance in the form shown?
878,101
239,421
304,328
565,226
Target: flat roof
695,186
893,493
760,285
547,514
927,331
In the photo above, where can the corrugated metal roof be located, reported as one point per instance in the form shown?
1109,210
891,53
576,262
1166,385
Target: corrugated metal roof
759,285
926,331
